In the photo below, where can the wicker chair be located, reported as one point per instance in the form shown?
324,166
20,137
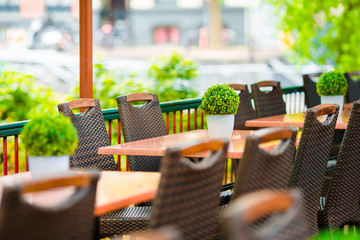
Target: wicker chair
353,91
70,219
312,156
261,169
245,110
268,103
92,134
342,202
266,215
187,198
312,98
141,123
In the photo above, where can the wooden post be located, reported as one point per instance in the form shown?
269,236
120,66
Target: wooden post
86,66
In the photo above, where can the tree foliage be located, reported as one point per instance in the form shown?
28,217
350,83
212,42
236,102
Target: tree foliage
20,98
172,76
324,31
109,84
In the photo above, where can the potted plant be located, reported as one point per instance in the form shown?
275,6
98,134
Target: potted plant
49,139
220,103
332,87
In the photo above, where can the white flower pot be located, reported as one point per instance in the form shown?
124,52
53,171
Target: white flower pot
42,166
220,126
337,99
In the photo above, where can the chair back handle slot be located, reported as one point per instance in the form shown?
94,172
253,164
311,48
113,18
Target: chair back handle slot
41,185
264,203
211,145
267,84
271,134
325,109
141,96
81,103
237,86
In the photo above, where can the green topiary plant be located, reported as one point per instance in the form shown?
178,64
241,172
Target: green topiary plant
220,99
331,83
49,134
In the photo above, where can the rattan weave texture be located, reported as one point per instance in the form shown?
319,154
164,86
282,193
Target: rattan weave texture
92,134
268,103
287,225
188,198
310,163
72,219
245,110
141,123
261,169
342,203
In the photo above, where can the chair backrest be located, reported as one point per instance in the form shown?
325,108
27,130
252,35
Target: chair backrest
245,110
141,123
342,202
283,213
311,158
188,194
92,134
268,103
70,219
312,98
262,169
353,91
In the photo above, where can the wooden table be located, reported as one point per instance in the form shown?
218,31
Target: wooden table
115,190
157,146
296,120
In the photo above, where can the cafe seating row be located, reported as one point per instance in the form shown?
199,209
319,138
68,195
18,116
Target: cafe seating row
182,179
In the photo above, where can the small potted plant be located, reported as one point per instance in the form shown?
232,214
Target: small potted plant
332,87
49,139
220,103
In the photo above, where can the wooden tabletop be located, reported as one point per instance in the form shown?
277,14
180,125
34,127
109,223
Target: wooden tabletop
296,120
115,190
157,146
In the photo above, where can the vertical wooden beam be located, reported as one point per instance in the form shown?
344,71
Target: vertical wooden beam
86,65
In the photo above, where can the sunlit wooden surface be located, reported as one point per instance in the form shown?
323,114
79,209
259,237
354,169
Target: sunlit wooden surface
115,190
157,146
296,120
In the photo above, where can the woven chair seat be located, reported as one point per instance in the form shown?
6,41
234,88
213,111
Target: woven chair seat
127,220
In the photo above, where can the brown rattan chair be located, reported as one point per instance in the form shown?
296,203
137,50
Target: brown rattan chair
353,91
270,215
312,156
312,98
73,218
92,134
187,198
261,169
342,202
141,123
268,103
245,110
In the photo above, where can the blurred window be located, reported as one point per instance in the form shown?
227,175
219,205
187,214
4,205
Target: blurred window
165,3
189,3
166,35
141,4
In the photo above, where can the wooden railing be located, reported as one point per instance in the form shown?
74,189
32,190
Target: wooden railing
179,116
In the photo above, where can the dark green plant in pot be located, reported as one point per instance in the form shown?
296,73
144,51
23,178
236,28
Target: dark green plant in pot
220,99
49,134
331,83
